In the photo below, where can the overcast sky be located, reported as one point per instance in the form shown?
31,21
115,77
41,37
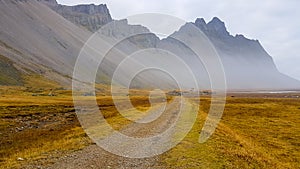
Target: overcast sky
275,23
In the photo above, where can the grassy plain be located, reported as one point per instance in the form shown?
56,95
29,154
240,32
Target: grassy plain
255,132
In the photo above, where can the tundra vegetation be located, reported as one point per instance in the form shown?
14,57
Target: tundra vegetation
256,130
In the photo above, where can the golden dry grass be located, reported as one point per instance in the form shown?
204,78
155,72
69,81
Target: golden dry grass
254,132
43,128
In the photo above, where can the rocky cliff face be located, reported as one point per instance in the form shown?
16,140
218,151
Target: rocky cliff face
215,27
90,16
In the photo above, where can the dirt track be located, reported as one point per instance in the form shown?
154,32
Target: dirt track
95,157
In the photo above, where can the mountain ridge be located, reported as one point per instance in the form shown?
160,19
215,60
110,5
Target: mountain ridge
46,42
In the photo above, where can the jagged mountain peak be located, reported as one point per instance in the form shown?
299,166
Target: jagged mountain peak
216,20
200,21
215,27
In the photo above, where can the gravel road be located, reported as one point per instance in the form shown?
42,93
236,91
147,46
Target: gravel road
95,157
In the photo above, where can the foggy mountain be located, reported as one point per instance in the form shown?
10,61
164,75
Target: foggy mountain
43,37
247,65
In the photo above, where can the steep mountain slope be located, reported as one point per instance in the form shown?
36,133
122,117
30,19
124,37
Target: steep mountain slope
38,40
9,75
